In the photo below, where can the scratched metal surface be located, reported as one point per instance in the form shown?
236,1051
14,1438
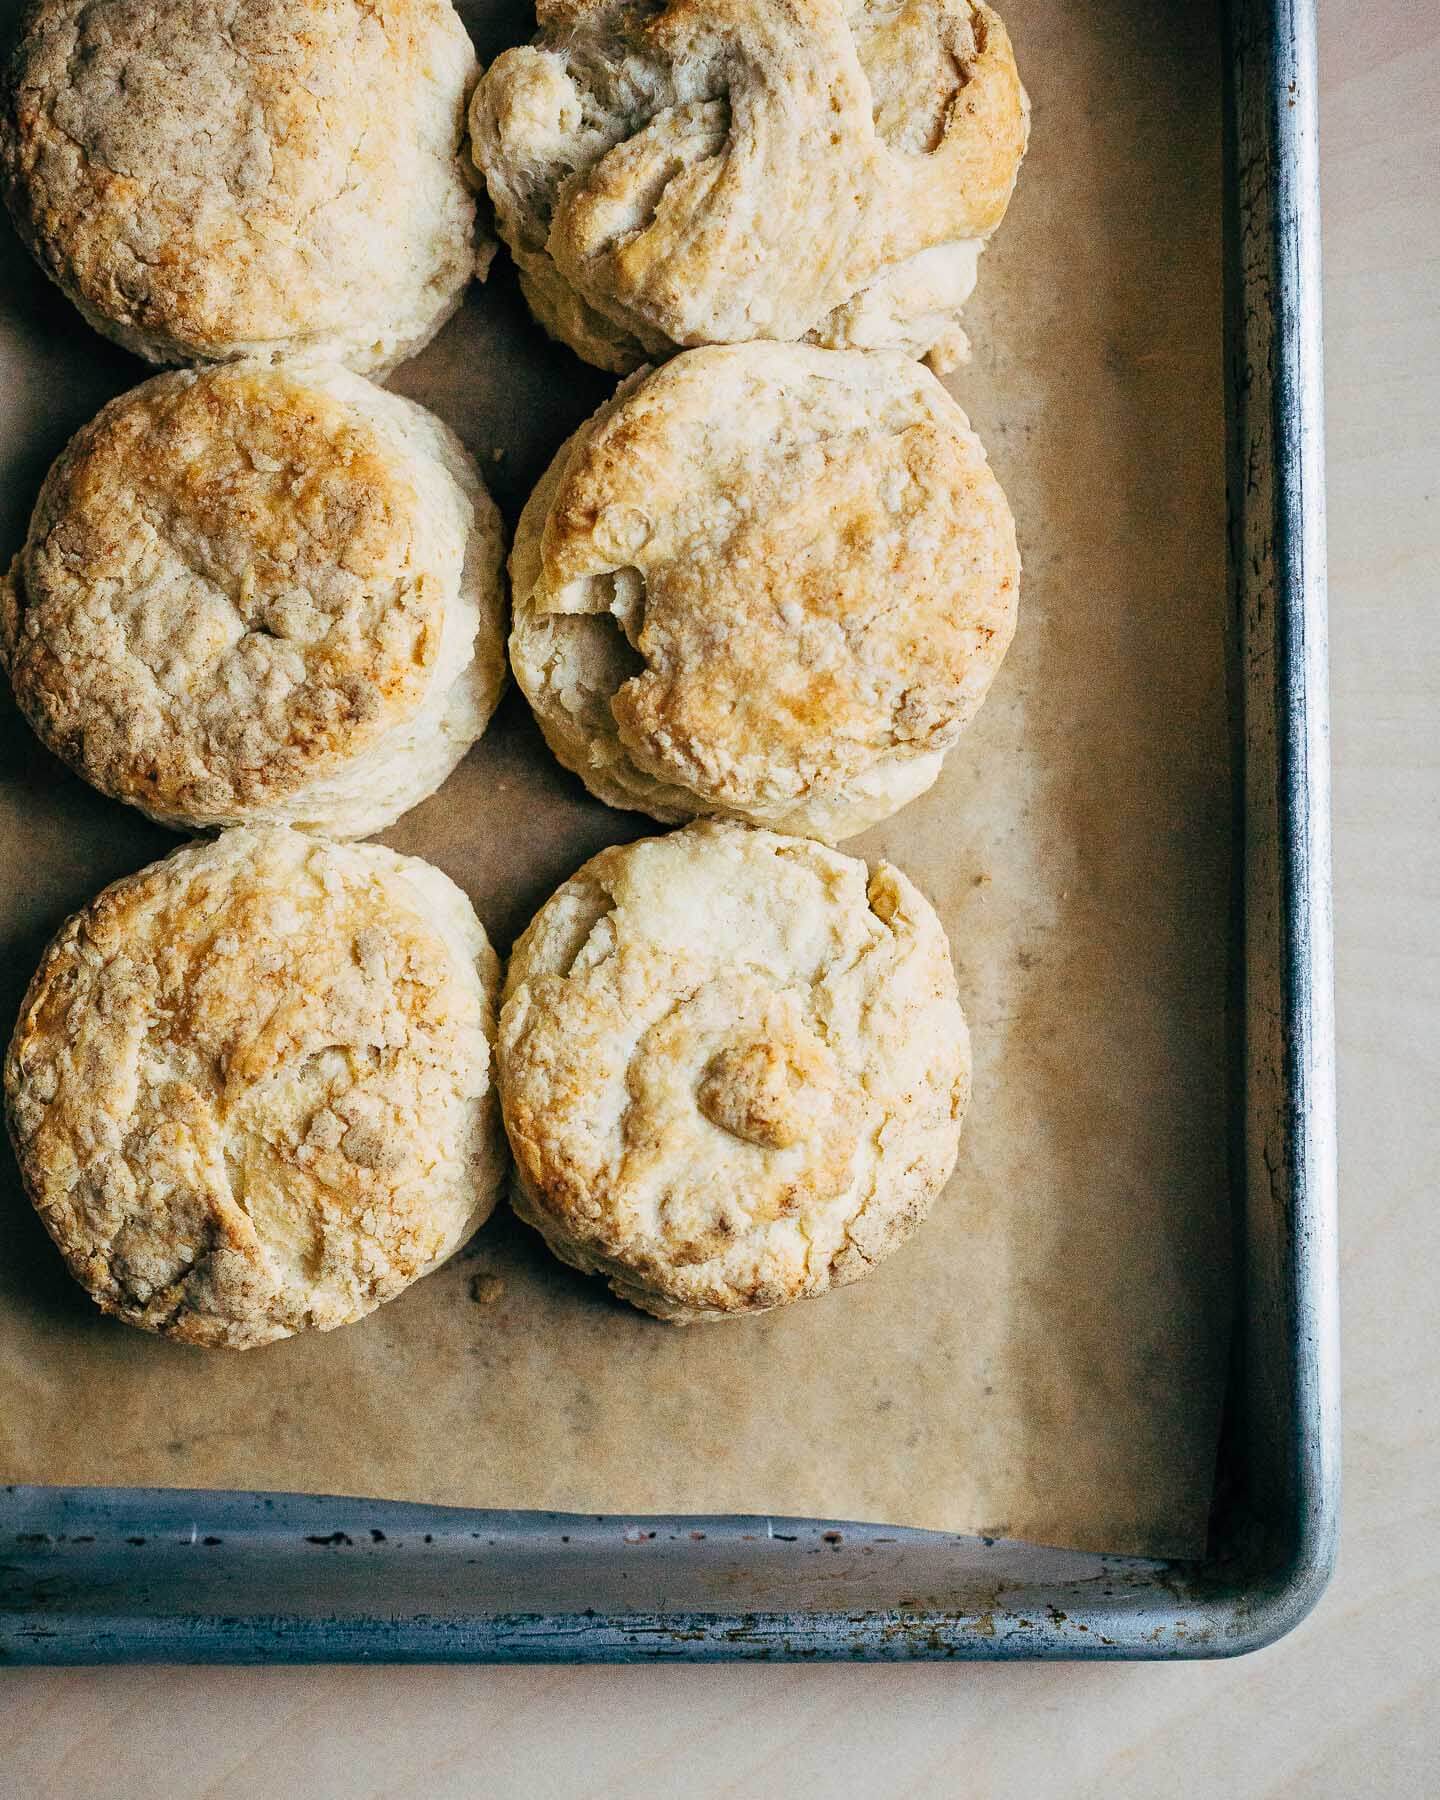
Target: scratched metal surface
96,1575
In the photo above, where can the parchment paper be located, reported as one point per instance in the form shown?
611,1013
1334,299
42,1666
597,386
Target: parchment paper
1044,1359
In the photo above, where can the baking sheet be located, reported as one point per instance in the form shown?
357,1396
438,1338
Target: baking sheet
1045,1358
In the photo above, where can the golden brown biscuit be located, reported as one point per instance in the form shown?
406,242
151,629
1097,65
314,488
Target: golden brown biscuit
684,173
268,178
766,582
250,1086
260,594
733,1068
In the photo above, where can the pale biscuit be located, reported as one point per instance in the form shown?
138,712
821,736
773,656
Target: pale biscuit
733,1068
268,178
766,582
250,1087
679,174
260,594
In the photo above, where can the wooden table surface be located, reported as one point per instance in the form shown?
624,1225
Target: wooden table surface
1349,1706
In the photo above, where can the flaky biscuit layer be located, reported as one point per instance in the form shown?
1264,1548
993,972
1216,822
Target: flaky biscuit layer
765,582
254,594
250,1089
268,178
733,1068
713,171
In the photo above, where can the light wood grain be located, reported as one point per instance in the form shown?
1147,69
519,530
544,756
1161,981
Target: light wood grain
1347,1707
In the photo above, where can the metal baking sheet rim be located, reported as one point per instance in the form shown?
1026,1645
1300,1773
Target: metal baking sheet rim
92,1575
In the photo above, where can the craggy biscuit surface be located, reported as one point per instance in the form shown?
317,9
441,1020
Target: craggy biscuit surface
252,593
250,1086
270,178
733,1068
711,171
767,582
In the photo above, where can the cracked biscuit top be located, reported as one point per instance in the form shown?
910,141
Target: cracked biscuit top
733,1068
270,178
680,172
255,593
250,1089
766,582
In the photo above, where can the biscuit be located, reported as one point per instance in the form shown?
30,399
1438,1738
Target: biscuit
677,174
268,178
732,1067
250,1087
766,582
260,594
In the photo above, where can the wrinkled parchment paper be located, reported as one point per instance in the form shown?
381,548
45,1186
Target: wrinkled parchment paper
1044,1359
